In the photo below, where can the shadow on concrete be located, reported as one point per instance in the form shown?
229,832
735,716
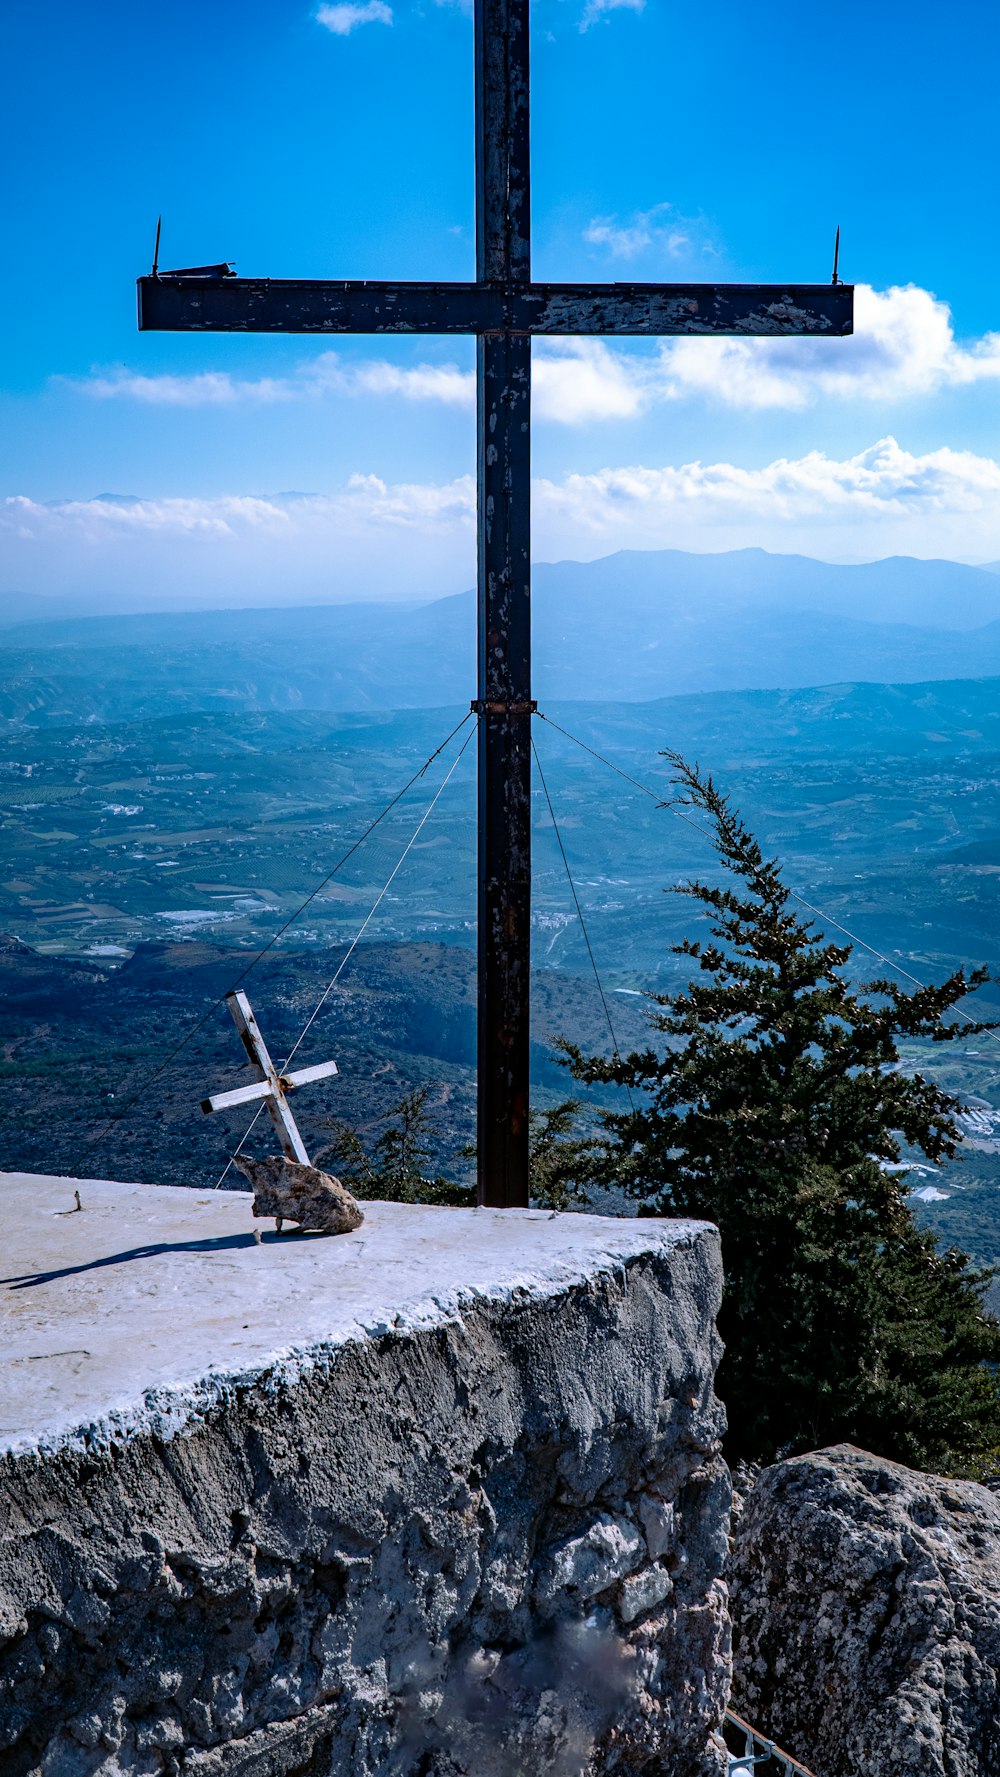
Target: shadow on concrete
218,1243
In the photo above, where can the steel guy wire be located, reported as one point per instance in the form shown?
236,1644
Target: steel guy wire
828,918
616,1052
759,1750
359,934
119,1113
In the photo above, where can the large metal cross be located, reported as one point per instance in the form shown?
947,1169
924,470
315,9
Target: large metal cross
504,309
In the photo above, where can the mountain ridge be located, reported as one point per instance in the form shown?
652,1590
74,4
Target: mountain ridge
629,627
935,590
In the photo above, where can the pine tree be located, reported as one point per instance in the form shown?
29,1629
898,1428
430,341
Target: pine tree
394,1169
776,1108
556,1153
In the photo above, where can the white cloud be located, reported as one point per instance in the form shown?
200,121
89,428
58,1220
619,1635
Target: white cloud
424,382
883,500
597,9
368,538
373,538
323,375
576,381
240,515
345,17
100,521
207,388
903,347
662,228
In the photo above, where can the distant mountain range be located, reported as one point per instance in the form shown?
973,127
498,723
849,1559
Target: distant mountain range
629,627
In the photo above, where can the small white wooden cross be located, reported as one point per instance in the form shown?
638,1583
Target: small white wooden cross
272,1086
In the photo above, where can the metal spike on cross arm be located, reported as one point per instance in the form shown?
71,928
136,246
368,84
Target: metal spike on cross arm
272,1087
505,309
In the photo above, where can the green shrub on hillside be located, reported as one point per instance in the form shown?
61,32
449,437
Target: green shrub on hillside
393,1169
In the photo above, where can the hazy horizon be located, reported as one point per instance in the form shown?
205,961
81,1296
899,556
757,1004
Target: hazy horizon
17,604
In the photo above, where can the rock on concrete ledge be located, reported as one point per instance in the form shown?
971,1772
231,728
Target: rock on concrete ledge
442,1497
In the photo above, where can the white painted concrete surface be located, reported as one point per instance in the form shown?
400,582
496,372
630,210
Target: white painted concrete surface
144,1308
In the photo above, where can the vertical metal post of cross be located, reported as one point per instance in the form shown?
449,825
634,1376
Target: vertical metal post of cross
503,399
272,1087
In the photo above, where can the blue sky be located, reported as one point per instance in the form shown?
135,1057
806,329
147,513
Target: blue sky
668,142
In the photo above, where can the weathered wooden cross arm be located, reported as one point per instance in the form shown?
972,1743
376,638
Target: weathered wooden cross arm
273,1087
300,305
303,1076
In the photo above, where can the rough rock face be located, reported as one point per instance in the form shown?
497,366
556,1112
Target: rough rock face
866,1617
290,1192
473,1531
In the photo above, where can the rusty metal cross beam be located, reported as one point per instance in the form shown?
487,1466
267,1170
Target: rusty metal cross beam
504,309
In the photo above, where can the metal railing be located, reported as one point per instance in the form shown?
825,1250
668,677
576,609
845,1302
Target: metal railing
759,1751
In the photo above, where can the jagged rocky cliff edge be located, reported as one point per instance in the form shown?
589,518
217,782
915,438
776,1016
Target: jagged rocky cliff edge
866,1616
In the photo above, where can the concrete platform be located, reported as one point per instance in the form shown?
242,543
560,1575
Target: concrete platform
138,1309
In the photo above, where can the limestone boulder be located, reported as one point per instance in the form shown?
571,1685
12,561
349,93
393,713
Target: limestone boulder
316,1201
866,1617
